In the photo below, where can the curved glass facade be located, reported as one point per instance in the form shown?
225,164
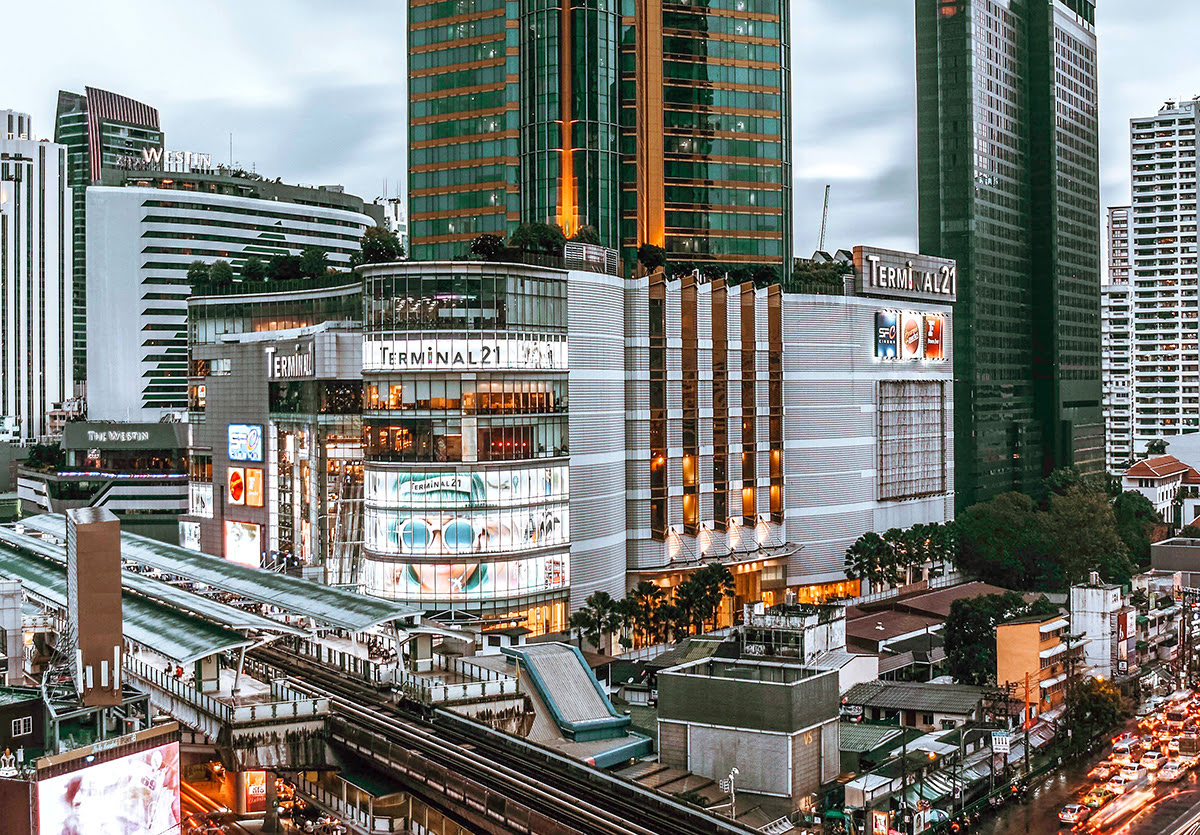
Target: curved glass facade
465,439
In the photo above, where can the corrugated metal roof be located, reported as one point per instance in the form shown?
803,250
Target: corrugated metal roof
326,604
906,695
176,635
860,738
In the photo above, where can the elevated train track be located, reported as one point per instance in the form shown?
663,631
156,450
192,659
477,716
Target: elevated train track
550,793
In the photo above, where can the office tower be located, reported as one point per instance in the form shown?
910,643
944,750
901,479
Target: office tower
1116,346
145,228
1164,293
99,128
1008,186
666,125
35,279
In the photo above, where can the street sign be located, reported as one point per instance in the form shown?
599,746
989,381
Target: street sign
1000,742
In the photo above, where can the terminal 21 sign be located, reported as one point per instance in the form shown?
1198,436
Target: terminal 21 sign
886,273
463,354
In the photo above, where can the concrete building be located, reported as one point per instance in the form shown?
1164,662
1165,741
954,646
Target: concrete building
920,705
1037,649
1179,554
1160,480
777,723
1101,614
1163,279
1008,186
147,227
36,373
1116,344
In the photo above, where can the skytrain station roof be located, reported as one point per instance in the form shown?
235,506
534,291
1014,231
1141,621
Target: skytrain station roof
328,606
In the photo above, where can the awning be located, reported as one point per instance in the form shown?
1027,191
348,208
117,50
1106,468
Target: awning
1050,682
1053,651
1053,625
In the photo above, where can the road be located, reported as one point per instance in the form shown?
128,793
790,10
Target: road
1158,810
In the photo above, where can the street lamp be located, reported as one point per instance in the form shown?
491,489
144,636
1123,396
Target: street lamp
729,785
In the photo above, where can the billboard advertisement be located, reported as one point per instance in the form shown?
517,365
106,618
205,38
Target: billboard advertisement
246,442
911,325
235,484
243,543
442,532
935,327
189,535
200,499
452,491
133,795
466,580
254,487
886,329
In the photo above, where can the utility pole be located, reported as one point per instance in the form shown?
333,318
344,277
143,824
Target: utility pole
1026,723
824,219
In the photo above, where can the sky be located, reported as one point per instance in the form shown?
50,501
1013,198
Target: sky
313,91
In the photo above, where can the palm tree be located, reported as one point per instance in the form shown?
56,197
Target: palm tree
717,584
646,598
597,617
865,559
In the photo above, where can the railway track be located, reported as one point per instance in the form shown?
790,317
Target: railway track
563,789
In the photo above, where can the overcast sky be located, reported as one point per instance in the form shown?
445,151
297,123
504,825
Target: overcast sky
313,91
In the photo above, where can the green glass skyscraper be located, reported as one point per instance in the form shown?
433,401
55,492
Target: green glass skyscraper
1008,186
98,128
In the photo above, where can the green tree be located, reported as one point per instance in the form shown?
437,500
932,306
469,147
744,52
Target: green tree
1135,517
314,262
1190,532
586,235
1082,534
598,617
716,583
647,600
379,245
1000,541
487,247
197,274
818,277
45,457
253,271
283,268
865,559
220,274
651,256
545,238
764,275
1095,706
970,632
1156,447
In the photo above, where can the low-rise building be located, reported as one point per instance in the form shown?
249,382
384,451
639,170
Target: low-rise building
776,723
1180,554
1038,650
921,705
1104,619
1160,479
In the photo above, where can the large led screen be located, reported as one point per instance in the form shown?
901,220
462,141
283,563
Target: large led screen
467,580
134,795
452,491
450,533
243,543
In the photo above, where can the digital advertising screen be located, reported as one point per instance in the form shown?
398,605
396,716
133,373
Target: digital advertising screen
254,487
133,795
886,331
450,491
442,532
189,535
243,543
200,499
467,580
246,442
934,328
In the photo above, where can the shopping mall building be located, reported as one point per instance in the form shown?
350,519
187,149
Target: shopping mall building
505,439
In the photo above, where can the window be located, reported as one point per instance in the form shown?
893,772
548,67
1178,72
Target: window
22,726
926,718
949,724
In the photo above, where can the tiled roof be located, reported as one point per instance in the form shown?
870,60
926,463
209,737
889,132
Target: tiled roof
938,602
1159,467
958,699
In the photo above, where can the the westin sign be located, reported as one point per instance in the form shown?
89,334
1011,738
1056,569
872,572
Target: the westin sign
888,274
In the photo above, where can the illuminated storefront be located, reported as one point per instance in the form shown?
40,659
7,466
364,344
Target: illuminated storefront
465,439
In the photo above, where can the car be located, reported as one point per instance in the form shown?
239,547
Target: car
1133,771
1170,771
1119,784
1101,770
1097,797
1073,813
1173,747
1151,760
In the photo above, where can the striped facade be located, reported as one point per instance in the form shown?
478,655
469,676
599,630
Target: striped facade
36,371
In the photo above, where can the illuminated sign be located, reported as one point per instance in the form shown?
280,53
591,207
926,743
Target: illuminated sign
235,485
243,543
245,442
462,354
879,823
467,580
256,791
157,159
200,499
905,335
116,435
453,490
254,487
887,273
133,795
300,362
438,532
189,535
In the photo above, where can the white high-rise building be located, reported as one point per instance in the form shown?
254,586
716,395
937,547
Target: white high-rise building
1162,222
35,279
1116,356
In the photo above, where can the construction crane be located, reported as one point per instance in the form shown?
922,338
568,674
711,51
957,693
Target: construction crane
824,219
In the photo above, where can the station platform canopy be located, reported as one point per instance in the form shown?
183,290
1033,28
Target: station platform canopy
174,634
222,614
328,606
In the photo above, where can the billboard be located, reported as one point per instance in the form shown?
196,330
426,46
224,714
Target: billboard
200,499
467,580
455,490
246,442
911,325
243,543
905,335
254,487
935,327
447,533
189,535
133,795
235,485
886,331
